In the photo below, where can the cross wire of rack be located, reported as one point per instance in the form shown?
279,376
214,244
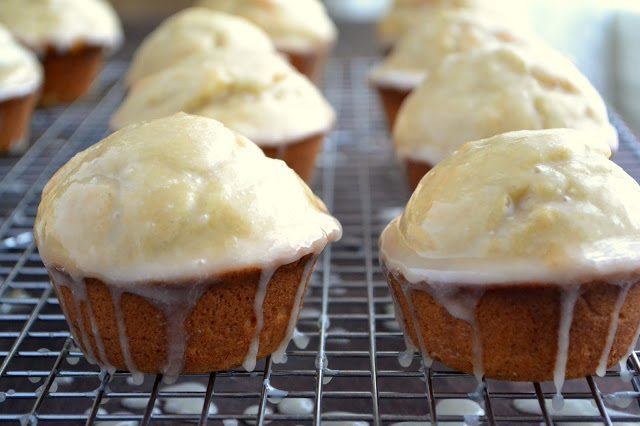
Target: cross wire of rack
348,372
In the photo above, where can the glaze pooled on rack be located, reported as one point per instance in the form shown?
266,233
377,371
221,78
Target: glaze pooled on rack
524,210
193,31
174,209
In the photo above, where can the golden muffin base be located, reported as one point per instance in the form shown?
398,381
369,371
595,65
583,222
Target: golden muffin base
69,75
219,329
415,172
311,64
519,329
15,117
300,155
391,99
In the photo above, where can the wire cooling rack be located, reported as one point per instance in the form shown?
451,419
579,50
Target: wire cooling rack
349,372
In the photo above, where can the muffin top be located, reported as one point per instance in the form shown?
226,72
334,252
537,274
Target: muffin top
528,206
257,94
407,14
178,198
476,95
294,25
440,35
61,24
194,30
20,71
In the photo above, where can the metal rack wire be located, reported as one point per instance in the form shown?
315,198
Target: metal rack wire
349,371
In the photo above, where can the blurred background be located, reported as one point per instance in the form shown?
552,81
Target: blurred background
602,36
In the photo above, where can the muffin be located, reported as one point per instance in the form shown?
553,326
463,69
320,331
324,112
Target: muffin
405,15
20,81
71,38
192,251
258,95
300,29
194,31
476,95
424,48
549,255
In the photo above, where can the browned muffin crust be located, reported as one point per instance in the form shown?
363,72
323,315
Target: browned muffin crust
311,64
219,330
391,99
69,75
15,116
300,155
518,326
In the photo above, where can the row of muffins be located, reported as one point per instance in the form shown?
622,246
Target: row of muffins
51,52
207,62
195,249
516,256
480,76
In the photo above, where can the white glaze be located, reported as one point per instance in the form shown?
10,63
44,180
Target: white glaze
186,405
293,25
116,297
296,406
567,307
20,71
572,407
249,363
252,410
62,24
613,328
274,395
280,356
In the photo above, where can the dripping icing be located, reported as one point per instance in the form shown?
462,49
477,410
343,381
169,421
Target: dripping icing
568,300
613,329
250,359
280,355
116,298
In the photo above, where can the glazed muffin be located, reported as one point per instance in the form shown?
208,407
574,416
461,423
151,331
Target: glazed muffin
258,95
405,15
20,82
530,236
71,38
424,48
300,29
194,31
192,251
476,95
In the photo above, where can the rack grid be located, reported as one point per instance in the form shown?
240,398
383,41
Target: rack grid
349,371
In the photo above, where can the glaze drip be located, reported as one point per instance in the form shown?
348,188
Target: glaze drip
567,307
116,297
613,329
280,355
250,359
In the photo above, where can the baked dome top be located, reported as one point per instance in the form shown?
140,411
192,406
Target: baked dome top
176,199
440,35
479,94
533,206
296,25
20,71
405,15
61,24
192,31
257,94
